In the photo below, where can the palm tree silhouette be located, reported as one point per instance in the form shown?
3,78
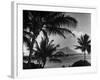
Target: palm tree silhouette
44,50
48,22
84,44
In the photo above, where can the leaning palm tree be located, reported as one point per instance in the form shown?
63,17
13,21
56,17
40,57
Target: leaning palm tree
84,44
48,22
44,50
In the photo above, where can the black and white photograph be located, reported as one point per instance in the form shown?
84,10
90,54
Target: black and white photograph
54,39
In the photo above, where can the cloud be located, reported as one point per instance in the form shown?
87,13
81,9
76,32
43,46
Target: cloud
78,34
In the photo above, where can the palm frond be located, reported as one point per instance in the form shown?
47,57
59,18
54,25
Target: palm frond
72,21
65,30
59,31
86,37
78,47
50,42
89,41
63,21
89,49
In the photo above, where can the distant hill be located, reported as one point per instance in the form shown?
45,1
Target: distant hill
66,50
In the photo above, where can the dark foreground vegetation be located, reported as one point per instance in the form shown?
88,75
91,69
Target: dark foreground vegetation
31,66
81,63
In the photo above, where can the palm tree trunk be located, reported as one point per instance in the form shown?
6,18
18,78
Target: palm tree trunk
44,62
84,56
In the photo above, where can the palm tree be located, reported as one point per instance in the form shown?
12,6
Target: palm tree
48,22
44,50
84,44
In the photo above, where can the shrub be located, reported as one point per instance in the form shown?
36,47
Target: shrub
81,63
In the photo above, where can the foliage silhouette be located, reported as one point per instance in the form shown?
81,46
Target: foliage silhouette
59,54
55,60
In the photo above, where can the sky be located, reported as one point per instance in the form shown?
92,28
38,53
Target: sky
83,26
